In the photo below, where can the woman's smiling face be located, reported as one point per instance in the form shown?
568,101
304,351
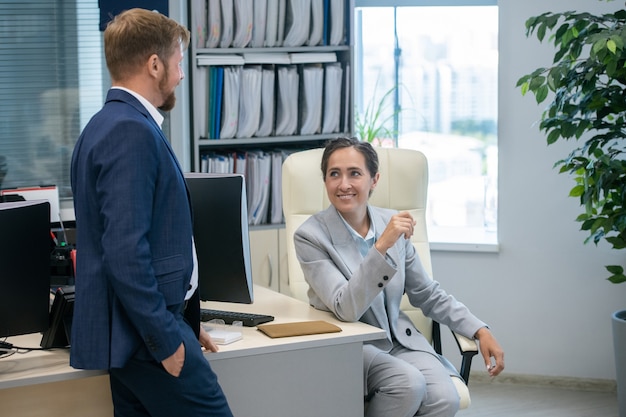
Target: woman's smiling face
348,182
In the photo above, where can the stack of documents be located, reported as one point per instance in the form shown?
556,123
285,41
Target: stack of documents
312,57
214,23
259,24
198,22
275,23
249,101
311,106
333,75
259,170
266,124
227,24
336,16
268,23
244,16
282,58
263,175
265,100
297,22
230,102
220,59
287,101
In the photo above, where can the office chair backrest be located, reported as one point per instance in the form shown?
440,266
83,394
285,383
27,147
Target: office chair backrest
402,186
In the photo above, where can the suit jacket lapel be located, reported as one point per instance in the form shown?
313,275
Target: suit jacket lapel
343,242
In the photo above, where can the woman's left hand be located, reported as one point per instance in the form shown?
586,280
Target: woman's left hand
490,348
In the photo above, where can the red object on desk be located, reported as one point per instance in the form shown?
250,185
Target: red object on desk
73,256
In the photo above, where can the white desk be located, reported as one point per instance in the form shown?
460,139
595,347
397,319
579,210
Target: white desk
317,375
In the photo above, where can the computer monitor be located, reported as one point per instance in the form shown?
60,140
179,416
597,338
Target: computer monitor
220,227
25,246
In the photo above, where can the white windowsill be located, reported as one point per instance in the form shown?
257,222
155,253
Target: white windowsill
456,239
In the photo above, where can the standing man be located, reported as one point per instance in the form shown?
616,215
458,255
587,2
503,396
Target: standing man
135,269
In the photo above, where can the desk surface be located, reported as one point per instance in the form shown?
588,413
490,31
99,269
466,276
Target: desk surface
38,367
286,309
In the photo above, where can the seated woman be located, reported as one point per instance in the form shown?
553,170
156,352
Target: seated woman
358,261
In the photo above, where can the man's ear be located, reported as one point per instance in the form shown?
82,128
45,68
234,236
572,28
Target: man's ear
154,65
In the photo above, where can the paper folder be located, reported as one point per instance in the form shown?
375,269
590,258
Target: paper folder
301,328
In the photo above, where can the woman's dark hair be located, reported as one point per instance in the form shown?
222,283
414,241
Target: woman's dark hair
368,152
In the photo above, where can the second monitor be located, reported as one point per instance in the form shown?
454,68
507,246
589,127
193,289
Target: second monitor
220,228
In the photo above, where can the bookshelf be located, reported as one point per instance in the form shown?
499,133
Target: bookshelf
307,125
323,109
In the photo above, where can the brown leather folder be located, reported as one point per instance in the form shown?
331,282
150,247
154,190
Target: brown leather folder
300,328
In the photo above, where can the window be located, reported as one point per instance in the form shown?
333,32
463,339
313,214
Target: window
433,72
51,83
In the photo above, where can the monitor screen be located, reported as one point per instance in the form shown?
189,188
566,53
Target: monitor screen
220,227
25,249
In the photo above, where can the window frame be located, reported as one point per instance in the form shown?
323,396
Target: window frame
470,243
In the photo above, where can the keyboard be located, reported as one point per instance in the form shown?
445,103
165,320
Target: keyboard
248,319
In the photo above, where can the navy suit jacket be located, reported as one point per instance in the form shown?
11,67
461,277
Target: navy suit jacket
134,238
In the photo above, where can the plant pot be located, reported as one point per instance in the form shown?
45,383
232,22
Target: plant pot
619,345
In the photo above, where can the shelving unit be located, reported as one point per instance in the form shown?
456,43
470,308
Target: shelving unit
267,241
201,143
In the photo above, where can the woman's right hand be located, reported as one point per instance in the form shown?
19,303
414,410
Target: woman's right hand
400,224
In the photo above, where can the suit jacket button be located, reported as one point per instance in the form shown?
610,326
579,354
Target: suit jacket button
380,285
408,332
386,278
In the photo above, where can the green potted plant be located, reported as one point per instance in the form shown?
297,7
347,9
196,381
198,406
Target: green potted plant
586,84
371,125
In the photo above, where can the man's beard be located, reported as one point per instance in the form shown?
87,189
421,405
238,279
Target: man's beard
169,102
170,99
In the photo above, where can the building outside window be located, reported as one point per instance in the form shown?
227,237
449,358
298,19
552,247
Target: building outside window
439,63
433,72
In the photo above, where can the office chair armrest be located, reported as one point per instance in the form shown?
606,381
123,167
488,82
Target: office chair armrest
468,348
465,343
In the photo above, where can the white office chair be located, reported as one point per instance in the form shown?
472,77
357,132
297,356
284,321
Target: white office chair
402,186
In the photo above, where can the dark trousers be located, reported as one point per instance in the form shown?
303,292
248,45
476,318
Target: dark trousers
144,388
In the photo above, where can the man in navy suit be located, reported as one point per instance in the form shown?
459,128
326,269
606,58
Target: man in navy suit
136,278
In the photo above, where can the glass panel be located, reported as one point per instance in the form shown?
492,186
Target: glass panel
51,81
446,74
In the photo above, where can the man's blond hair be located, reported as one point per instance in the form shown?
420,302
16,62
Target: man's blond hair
134,35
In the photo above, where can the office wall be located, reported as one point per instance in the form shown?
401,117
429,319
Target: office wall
544,294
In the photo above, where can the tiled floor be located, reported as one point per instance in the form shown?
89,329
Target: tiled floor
495,399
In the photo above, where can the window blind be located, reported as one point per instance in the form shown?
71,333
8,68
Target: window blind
51,83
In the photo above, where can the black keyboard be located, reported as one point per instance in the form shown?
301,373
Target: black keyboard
247,319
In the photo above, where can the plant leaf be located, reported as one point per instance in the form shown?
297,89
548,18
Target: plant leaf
525,86
553,136
577,191
541,94
617,279
611,46
615,269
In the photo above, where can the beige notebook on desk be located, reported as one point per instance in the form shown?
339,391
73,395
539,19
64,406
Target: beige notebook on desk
300,328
